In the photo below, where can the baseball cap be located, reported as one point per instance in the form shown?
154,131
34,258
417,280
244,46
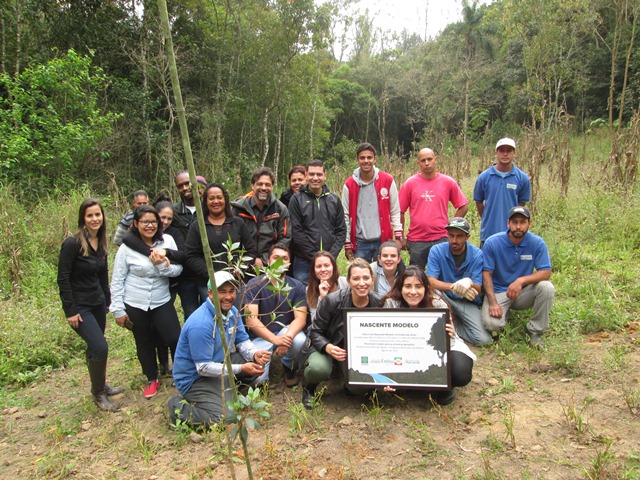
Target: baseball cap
524,211
221,278
509,142
459,223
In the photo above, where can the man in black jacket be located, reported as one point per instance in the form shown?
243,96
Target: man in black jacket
184,214
317,221
265,215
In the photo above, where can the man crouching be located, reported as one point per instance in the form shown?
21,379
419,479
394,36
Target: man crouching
198,366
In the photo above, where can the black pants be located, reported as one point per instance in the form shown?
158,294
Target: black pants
91,329
165,322
461,368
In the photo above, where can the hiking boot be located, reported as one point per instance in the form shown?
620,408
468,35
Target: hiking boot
290,377
151,389
164,369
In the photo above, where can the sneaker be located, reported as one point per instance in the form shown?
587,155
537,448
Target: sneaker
151,389
290,377
535,340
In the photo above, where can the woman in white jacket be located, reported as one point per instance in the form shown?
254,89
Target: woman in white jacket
140,297
411,290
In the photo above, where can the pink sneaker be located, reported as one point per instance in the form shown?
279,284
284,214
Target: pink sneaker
151,389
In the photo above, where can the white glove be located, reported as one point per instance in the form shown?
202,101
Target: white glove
461,286
470,294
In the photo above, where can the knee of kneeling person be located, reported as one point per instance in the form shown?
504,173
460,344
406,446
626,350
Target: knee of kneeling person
547,288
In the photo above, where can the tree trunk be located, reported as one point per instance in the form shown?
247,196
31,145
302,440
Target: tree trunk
265,136
18,36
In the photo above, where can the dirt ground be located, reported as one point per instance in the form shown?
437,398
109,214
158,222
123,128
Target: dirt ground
520,417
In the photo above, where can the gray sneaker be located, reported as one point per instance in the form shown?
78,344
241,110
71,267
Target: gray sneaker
535,340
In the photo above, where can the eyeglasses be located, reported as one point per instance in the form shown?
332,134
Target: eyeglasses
148,223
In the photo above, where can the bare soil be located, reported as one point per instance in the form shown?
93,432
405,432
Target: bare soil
584,424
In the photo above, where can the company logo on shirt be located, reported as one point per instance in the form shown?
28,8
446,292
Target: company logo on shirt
526,257
428,196
511,186
384,193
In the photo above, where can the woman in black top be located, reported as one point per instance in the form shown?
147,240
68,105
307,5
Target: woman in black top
84,289
221,226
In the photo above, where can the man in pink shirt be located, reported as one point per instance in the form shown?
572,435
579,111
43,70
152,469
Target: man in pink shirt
427,195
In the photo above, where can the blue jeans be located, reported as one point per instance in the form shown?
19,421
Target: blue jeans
368,250
301,270
261,344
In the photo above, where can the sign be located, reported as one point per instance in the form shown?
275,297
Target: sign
401,348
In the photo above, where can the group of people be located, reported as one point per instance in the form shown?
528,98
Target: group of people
299,317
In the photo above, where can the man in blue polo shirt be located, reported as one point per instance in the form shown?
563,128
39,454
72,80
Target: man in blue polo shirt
455,269
199,359
275,313
516,275
499,188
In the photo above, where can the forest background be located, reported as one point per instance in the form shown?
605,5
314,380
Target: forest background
86,108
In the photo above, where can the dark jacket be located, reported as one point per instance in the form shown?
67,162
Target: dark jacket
218,236
274,227
183,218
82,281
317,223
328,324
285,196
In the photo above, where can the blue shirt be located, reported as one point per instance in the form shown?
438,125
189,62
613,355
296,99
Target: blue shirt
441,265
499,195
509,261
197,343
276,309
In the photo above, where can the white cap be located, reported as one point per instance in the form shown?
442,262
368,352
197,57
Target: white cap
221,278
509,142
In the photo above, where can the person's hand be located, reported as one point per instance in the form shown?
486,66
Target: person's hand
323,288
75,320
283,341
262,357
399,243
404,244
161,251
337,353
252,369
122,320
349,254
514,290
281,351
461,286
451,330
258,263
156,258
470,294
495,311
389,389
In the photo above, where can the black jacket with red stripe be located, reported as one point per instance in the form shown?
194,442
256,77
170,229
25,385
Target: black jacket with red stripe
274,227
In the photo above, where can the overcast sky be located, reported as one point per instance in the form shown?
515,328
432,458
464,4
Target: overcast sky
427,18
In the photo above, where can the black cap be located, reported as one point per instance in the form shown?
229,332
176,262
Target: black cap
524,211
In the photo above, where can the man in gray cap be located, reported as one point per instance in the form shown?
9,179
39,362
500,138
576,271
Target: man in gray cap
455,269
199,361
500,187
516,274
